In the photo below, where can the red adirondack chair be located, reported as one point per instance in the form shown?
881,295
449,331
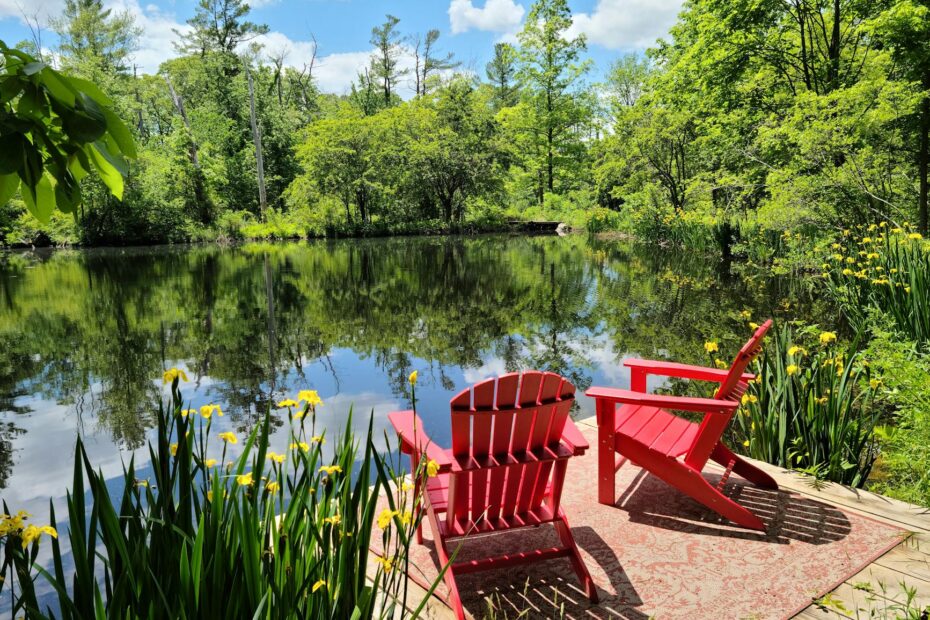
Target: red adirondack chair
511,441
638,426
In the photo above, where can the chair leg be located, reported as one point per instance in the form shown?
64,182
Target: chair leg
753,474
606,467
568,540
454,601
690,482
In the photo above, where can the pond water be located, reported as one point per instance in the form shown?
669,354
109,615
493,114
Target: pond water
86,335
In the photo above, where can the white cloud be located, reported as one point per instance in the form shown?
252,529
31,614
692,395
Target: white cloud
626,24
156,44
40,9
496,16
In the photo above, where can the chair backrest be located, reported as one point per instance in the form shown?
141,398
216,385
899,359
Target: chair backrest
731,388
499,421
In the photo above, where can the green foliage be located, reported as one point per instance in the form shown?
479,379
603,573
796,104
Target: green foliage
269,533
811,407
54,131
885,269
903,471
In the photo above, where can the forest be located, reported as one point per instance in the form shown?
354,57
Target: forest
747,120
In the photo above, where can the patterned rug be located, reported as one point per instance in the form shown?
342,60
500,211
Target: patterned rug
660,554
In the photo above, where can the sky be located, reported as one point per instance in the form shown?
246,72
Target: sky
342,28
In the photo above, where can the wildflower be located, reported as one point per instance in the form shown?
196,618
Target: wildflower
174,449
822,400
432,468
406,486
837,257
210,496
245,479
746,314
867,240
915,236
850,260
871,255
897,231
875,383
836,246
746,444
287,402
209,463
847,272
827,337
277,458
719,363
711,347
172,375
412,378
331,469
273,487
310,397
796,350
333,520
753,326
792,369
32,533
749,398
303,445
385,517
406,517
318,439
907,290
187,412
319,584
386,563
207,411
229,437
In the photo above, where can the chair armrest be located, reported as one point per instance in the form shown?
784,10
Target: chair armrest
682,371
573,437
681,403
413,438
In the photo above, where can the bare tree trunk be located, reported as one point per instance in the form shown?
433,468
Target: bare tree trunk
200,194
257,138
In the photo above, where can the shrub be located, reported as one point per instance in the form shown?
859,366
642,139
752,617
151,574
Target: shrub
265,534
811,407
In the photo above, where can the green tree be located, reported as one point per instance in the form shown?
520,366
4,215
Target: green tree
501,72
550,67
221,26
94,41
385,61
905,27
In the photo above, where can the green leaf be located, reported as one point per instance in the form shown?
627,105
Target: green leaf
109,174
91,90
33,67
8,185
11,153
120,133
59,88
40,200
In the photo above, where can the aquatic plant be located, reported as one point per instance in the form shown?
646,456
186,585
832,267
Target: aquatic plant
269,533
811,407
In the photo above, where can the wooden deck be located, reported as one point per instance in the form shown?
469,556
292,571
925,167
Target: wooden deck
895,585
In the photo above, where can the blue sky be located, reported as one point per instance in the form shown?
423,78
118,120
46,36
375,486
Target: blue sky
342,28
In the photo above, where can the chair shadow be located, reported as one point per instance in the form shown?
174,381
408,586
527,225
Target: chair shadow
788,517
544,589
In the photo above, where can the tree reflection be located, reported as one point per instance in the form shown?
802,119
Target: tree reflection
95,330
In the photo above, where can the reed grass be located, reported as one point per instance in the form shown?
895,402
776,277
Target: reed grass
887,269
811,407
268,534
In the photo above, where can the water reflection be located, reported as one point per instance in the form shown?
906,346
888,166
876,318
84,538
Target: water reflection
86,335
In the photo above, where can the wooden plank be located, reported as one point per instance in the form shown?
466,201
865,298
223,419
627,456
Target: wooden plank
892,584
907,560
